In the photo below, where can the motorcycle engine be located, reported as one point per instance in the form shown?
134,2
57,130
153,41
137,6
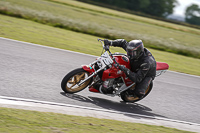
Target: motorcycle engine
110,86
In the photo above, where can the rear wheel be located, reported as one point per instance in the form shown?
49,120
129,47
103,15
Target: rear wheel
127,97
70,81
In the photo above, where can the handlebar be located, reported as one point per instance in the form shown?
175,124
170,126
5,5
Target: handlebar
106,47
100,40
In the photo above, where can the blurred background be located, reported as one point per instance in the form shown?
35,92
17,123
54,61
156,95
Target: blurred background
178,10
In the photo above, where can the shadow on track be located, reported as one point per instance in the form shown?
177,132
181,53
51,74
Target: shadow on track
112,105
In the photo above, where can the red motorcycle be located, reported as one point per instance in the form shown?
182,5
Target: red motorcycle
104,76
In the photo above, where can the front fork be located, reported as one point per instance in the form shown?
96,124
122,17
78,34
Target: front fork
91,71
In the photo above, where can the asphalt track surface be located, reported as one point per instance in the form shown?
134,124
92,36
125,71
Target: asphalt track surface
34,72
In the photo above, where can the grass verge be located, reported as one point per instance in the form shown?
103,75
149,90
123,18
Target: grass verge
23,121
33,32
108,24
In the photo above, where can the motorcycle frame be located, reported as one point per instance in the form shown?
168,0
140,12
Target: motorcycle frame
107,64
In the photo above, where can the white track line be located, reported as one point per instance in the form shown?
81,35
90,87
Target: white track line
96,109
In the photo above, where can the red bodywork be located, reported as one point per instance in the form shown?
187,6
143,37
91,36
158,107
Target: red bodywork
113,72
88,68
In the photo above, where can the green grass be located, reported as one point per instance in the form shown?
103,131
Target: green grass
107,23
29,31
111,12
22,121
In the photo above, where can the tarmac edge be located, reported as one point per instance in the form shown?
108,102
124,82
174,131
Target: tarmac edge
43,106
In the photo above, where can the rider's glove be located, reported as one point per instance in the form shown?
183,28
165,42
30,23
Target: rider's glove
107,42
123,68
128,73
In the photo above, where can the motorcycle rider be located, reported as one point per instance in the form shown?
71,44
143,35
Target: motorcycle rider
142,62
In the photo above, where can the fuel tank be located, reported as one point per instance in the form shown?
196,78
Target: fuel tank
122,60
114,72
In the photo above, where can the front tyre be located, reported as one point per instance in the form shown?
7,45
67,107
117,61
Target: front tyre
70,81
126,97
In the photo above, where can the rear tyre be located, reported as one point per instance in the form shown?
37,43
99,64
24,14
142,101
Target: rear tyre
127,97
70,81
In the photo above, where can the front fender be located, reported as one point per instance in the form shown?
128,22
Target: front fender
88,68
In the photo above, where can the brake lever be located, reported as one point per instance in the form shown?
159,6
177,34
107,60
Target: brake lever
99,39
101,42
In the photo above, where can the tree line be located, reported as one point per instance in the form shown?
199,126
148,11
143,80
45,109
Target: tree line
157,8
192,14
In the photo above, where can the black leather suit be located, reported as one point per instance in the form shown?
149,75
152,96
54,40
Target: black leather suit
143,70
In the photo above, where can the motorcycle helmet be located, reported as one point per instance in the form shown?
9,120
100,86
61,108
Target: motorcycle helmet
135,49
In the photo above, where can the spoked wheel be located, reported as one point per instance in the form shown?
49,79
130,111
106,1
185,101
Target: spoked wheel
127,97
70,81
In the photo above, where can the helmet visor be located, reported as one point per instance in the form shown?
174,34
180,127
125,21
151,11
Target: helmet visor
132,53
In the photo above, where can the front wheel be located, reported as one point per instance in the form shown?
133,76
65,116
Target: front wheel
126,97
70,81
